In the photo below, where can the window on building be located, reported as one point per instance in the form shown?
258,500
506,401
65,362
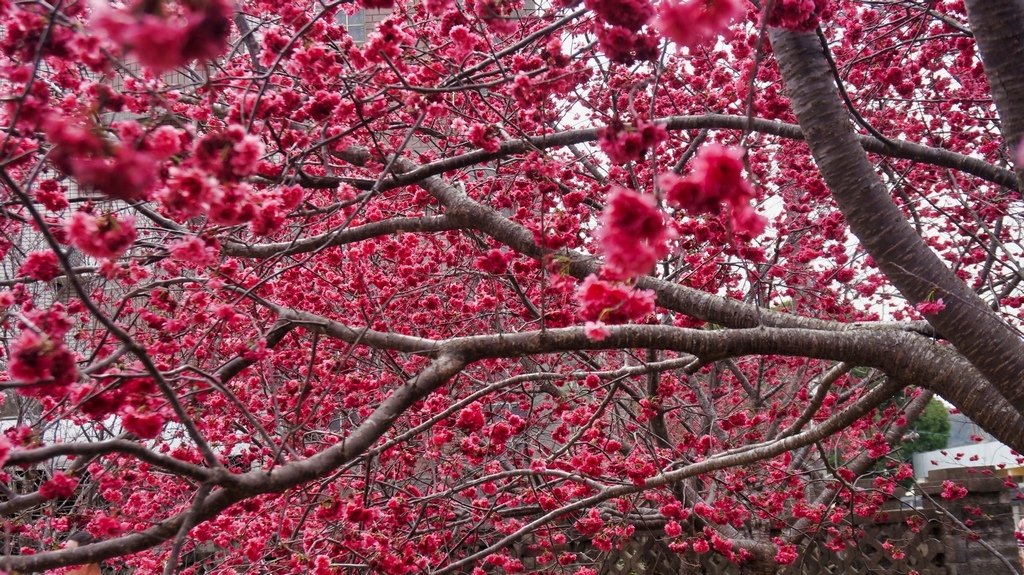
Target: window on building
355,23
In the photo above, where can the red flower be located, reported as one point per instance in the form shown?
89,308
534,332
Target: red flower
786,554
101,237
495,261
877,446
229,154
5,449
596,330
37,358
144,424
798,15
624,46
634,235
484,137
51,194
590,524
696,21
471,418
166,141
194,251
119,171
628,143
42,265
930,307
673,529
60,486
629,14
951,490
602,301
199,31
716,179
189,192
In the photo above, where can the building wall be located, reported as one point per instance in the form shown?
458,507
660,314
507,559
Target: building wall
989,453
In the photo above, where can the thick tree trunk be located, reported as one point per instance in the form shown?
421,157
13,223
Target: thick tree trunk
998,27
981,336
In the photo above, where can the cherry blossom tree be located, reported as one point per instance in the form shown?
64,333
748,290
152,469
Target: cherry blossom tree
507,273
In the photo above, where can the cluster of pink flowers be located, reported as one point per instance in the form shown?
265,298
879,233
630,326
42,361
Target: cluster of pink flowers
495,13
194,251
628,14
59,486
612,302
625,144
930,307
952,490
229,154
163,37
485,137
42,265
41,358
119,170
786,553
798,15
604,302
495,261
471,418
634,234
209,181
102,236
51,194
618,29
142,422
693,22
624,46
716,179
39,354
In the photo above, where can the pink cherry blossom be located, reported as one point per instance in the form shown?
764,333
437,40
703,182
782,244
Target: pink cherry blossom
930,307
693,22
59,486
40,358
142,423
596,330
634,234
118,170
612,303
41,265
495,261
5,448
103,236
799,15
625,46
629,14
629,143
952,490
52,195
197,31
715,179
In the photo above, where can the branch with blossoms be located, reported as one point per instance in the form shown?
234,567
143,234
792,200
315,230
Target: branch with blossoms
897,149
294,473
857,347
750,454
490,278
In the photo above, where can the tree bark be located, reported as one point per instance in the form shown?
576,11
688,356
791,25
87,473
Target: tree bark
981,336
998,27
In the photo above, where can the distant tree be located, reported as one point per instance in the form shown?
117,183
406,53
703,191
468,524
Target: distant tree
929,432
